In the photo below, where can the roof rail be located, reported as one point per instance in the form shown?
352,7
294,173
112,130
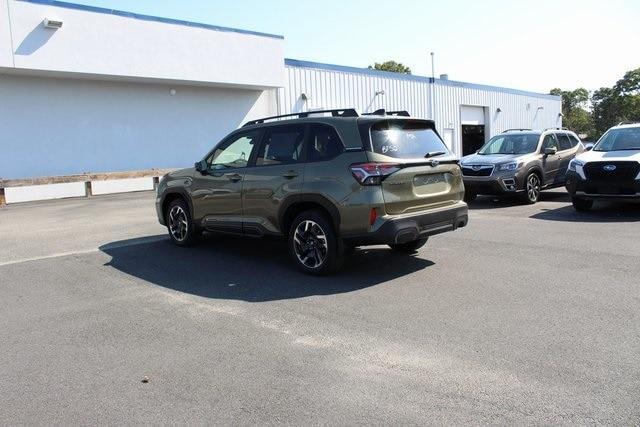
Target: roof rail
402,113
627,123
342,112
383,112
556,128
515,130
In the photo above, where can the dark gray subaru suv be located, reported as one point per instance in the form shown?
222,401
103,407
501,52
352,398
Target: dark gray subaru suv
521,162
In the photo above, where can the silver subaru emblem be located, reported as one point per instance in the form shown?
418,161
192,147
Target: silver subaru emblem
610,168
476,167
434,163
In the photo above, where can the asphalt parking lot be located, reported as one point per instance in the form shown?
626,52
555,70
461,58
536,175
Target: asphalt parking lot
531,314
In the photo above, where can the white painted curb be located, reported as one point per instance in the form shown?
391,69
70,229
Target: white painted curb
30,193
121,185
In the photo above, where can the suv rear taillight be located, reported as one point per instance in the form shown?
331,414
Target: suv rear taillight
373,173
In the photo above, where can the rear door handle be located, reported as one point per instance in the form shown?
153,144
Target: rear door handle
290,174
234,177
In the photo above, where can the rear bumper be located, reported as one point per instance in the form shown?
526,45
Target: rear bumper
406,228
585,189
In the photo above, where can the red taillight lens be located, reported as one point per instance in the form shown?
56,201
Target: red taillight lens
373,215
373,173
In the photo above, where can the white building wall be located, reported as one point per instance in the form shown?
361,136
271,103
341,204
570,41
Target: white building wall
56,126
326,89
97,94
329,86
6,51
101,42
517,109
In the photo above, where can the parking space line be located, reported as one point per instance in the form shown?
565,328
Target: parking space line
134,242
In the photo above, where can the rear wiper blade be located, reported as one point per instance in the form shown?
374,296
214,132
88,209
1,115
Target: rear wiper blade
434,154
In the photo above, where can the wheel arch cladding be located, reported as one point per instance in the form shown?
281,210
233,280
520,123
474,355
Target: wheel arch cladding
170,197
535,169
295,206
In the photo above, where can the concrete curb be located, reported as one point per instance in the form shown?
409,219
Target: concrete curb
55,187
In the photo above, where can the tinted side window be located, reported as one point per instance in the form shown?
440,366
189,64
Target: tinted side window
574,141
549,142
281,146
324,144
565,142
235,152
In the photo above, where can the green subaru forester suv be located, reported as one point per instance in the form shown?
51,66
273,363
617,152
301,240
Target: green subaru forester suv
327,181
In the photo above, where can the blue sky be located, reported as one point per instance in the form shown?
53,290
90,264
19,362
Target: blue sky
533,45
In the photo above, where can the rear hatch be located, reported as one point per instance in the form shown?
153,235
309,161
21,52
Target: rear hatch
427,176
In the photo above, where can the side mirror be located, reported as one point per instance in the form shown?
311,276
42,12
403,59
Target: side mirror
588,147
550,151
201,167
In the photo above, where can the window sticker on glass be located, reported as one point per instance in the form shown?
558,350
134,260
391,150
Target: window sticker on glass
389,149
405,139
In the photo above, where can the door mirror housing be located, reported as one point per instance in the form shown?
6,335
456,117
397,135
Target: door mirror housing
550,151
201,167
588,147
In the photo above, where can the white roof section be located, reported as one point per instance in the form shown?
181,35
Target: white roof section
109,44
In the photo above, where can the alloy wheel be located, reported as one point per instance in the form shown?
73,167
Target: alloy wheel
178,223
310,244
533,187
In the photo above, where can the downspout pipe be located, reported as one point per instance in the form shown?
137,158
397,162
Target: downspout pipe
432,82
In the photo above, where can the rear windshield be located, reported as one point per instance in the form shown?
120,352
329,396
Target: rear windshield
405,139
619,139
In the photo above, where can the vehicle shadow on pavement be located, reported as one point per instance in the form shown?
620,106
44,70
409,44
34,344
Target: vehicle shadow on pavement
499,202
601,212
225,267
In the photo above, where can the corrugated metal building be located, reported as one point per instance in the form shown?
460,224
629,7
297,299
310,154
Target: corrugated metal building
463,112
110,91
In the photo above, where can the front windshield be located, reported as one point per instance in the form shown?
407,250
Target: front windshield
520,143
619,139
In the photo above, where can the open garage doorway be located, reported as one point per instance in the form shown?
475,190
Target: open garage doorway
473,128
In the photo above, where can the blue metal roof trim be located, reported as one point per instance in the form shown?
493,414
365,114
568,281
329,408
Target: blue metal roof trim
347,69
379,73
499,88
126,14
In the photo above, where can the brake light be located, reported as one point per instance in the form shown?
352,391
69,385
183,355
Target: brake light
373,215
373,173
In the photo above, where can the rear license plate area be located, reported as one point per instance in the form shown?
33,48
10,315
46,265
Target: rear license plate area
431,184
435,178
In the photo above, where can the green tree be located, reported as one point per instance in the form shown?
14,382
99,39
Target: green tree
576,115
617,104
393,66
629,84
604,101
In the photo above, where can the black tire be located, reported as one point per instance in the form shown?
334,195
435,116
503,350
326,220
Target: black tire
181,229
470,196
313,244
532,188
409,247
581,205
